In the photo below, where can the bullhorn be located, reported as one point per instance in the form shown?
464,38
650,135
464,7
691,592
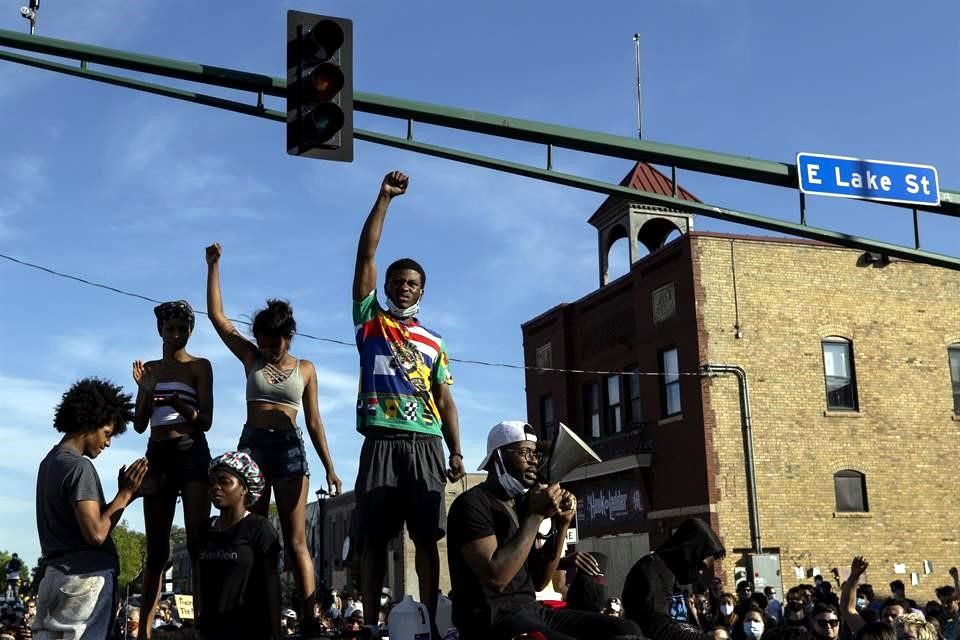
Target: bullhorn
569,452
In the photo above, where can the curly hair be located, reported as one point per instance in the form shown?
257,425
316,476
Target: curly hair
275,320
91,403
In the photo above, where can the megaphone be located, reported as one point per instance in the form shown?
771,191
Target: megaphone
569,452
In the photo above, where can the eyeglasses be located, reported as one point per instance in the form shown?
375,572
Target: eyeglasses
832,622
528,455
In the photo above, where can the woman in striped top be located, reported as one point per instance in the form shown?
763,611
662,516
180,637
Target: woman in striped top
175,398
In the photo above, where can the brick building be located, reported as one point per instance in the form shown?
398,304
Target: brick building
852,363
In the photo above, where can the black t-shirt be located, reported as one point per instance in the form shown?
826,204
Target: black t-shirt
234,594
476,514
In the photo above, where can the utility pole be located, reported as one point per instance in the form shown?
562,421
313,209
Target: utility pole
636,46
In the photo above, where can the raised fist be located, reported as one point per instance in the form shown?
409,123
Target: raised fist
394,184
214,252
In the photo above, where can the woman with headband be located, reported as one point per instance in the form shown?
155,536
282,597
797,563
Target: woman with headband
175,398
279,387
239,556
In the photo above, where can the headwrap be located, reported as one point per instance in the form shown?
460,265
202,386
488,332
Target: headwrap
176,309
241,465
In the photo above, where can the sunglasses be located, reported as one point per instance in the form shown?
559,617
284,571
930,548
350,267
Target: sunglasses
833,622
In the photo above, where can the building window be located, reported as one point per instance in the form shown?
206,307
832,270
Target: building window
954,352
633,397
670,377
547,423
839,373
850,488
614,417
591,409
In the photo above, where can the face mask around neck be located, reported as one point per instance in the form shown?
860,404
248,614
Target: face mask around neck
404,314
511,485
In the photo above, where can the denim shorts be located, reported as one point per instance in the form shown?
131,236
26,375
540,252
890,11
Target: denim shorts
278,452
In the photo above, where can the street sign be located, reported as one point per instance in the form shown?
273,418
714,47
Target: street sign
878,180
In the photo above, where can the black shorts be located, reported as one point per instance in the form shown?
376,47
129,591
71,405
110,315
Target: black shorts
176,461
402,479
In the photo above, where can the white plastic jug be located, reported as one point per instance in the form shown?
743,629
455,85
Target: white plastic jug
409,620
444,615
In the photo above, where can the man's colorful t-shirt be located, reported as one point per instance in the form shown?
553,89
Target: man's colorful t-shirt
399,364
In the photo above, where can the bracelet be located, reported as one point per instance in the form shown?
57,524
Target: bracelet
456,455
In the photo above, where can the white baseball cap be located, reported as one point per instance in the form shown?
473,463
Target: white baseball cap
507,432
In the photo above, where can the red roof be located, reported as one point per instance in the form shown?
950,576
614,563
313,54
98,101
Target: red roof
643,177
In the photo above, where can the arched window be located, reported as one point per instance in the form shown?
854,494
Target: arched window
839,374
850,488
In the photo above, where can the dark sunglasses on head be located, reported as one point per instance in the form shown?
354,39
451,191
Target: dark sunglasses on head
833,622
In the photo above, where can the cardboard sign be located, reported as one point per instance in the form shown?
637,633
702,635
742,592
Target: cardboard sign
184,606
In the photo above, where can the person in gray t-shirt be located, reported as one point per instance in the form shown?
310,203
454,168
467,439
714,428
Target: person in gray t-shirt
74,520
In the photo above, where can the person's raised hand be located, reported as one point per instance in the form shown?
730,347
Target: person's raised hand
544,500
144,376
585,562
954,573
132,476
214,252
858,567
394,184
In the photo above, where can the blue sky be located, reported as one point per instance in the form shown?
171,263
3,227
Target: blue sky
127,188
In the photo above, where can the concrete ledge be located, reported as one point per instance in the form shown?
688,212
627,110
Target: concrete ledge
842,414
670,420
955,417
852,514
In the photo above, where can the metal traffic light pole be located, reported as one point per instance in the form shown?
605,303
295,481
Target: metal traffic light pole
727,165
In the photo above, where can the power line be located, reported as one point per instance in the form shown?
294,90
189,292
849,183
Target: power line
483,363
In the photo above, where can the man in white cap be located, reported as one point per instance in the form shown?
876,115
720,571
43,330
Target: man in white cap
495,567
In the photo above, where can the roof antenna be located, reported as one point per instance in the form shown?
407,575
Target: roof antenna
636,42
30,13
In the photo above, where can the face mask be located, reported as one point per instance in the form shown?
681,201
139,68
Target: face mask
403,314
511,485
726,609
861,603
752,628
383,601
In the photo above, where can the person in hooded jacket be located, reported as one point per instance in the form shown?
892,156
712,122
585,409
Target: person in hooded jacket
651,592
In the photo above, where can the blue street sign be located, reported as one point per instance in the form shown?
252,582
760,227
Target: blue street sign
878,180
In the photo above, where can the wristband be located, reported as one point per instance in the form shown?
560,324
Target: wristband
456,455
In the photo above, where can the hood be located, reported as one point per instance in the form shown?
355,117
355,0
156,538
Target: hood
688,547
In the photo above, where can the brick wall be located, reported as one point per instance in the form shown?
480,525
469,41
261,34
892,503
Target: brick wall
905,438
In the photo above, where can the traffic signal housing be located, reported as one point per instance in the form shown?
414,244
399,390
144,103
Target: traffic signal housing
319,86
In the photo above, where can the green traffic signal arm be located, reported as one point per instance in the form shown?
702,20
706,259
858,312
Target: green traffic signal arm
722,164
605,144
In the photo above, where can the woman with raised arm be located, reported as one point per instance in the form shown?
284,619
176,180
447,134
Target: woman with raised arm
175,399
279,386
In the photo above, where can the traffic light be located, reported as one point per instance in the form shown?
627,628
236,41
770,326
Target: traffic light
319,86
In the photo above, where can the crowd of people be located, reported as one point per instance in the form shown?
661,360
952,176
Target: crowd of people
817,612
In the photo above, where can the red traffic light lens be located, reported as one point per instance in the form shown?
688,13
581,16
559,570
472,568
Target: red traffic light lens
326,81
326,37
327,119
